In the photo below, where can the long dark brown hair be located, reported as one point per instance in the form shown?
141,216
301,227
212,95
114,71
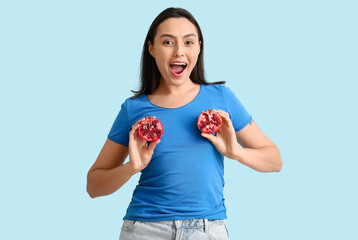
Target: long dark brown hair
150,75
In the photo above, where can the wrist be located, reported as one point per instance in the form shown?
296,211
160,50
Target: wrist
237,153
130,168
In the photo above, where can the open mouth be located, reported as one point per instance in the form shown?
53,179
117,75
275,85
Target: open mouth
178,68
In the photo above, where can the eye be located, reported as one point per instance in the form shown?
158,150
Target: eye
189,42
168,42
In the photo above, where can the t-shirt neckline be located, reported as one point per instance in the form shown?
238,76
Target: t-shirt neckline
185,105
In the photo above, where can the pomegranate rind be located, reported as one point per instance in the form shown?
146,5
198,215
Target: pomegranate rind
209,121
148,129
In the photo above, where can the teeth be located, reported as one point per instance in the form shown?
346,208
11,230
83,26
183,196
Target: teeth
183,64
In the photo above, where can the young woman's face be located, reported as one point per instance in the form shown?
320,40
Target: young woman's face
176,48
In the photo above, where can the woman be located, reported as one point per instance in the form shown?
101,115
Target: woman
180,191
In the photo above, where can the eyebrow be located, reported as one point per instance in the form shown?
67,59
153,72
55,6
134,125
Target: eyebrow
171,36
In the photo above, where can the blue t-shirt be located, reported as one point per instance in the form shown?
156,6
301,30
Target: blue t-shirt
185,178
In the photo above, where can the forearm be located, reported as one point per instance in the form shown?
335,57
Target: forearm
266,159
101,182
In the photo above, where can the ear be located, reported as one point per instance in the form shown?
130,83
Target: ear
151,49
199,47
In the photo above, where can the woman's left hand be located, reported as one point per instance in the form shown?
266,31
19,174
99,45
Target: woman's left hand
225,140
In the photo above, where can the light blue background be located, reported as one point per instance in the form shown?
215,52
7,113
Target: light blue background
66,67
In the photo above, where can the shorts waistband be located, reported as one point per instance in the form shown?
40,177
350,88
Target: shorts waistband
190,223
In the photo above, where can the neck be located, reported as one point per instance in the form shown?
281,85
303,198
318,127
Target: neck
175,89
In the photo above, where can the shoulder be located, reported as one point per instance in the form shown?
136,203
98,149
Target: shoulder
132,102
136,107
218,90
213,88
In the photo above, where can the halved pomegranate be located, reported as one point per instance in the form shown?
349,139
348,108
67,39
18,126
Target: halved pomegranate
209,121
151,129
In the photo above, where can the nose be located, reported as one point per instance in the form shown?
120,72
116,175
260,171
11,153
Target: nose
178,51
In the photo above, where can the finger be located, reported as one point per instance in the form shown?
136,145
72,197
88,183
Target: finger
223,114
137,123
133,131
209,136
152,145
135,127
225,117
134,136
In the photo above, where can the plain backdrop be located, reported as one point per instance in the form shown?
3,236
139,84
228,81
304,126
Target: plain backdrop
66,67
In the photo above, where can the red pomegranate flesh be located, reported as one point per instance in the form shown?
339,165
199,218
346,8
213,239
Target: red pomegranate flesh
151,129
209,121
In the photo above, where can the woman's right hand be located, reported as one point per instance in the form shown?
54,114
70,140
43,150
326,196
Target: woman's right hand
140,153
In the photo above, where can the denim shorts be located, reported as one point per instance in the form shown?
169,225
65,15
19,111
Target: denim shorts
192,229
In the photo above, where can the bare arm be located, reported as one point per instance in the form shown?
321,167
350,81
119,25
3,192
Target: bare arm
108,173
258,151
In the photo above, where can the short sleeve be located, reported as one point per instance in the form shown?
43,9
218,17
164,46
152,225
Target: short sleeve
119,132
238,113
